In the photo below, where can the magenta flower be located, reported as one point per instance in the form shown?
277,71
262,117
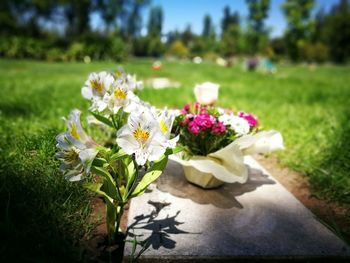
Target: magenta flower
253,121
205,121
219,127
194,128
185,109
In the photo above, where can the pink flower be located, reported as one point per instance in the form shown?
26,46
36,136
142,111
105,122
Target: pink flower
203,111
219,127
249,118
197,105
205,121
185,109
194,128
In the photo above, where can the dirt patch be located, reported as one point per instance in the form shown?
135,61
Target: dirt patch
96,243
334,215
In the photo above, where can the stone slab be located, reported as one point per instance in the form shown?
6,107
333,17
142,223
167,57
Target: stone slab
177,221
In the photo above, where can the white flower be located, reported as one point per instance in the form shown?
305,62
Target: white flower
77,150
133,83
206,93
128,80
165,120
141,136
120,97
238,124
96,87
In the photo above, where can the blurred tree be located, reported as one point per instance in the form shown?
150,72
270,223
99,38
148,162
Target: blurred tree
77,15
229,19
258,12
230,37
319,24
208,27
173,36
24,16
279,46
337,31
155,22
178,49
230,41
133,24
187,36
151,45
110,11
299,25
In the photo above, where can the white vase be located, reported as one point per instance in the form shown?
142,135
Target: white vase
227,164
204,180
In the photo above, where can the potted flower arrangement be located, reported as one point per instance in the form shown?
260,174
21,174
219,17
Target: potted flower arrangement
215,140
134,156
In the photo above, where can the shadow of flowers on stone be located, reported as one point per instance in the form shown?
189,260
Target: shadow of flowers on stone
174,182
160,230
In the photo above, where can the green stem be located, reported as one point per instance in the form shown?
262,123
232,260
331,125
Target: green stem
134,183
119,215
114,124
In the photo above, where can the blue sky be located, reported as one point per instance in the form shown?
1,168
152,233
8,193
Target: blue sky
180,13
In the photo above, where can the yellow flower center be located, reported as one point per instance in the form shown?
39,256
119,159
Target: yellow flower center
72,156
96,85
163,127
120,94
141,135
119,74
74,132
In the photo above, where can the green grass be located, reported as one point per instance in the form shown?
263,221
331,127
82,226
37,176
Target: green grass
45,216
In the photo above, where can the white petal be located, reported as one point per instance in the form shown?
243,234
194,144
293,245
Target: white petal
86,93
86,157
62,142
141,156
128,143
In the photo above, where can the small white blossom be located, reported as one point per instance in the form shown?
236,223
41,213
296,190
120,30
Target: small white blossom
206,93
76,149
145,136
97,85
165,120
119,97
238,124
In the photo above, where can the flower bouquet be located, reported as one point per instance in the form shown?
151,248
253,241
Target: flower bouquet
215,140
136,153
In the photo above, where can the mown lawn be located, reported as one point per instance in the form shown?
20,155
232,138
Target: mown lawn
42,214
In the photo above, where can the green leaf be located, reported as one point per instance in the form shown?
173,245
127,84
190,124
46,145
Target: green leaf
102,119
119,155
151,176
96,188
109,184
111,218
177,149
131,170
99,162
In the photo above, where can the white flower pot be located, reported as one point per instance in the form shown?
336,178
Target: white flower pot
204,180
227,164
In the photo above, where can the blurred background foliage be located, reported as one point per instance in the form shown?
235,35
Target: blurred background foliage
61,31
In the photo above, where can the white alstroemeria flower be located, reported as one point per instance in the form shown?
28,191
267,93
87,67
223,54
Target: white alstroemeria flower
77,150
175,112
238,124
133,83
120,97
166,119
141,136
96,87
206,93
76,132
128,80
